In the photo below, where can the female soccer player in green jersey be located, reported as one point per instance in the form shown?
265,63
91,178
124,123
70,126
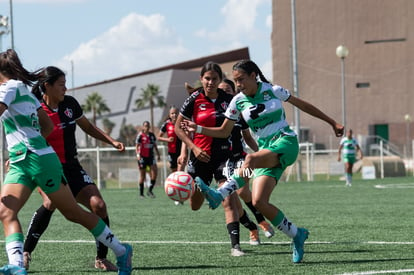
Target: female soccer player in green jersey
260,104
33,163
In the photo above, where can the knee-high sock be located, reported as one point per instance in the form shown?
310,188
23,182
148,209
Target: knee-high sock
38,224
141,189
103,234
234,231
247,222
259,217
101,249
14,248
152,185
283,224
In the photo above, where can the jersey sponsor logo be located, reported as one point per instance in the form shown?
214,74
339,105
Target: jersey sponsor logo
202,107
68,112
266,96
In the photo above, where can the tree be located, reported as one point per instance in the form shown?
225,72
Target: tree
150,96
108,125
96,104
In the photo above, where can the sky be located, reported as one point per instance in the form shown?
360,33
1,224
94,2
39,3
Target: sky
100,40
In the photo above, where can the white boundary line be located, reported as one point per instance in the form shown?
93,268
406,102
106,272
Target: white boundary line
379,272
219,242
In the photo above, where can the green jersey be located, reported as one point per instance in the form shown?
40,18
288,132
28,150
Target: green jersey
20,121
263,113
349,147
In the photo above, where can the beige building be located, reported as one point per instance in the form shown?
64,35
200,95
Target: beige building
378,72
121,93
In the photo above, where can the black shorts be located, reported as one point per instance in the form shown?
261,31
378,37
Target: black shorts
207,171
144,162
77,177
172,158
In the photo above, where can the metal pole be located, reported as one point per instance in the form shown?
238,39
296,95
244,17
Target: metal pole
343,91
11,24
295,82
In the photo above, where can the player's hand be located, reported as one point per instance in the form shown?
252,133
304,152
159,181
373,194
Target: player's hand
339,129
201,155
119,146
188,126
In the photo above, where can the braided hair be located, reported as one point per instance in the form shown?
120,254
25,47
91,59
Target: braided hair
249,67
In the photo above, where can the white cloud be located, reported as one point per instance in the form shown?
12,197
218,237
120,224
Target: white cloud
137,43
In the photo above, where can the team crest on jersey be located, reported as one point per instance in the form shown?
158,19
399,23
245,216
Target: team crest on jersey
266,96
68,112
224,105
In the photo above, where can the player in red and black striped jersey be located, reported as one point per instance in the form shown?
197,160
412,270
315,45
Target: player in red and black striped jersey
66,114
174,143
206,106
145,144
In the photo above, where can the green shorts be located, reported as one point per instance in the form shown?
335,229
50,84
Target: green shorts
349,159
287,147
43,171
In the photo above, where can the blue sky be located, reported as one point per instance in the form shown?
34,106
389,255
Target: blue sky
112,38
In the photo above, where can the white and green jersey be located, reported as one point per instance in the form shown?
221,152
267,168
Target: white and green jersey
20,121
349,147
263,113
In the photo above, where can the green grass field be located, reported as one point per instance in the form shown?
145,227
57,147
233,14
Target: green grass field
365,229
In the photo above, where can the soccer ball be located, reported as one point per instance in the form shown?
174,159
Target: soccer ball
179,186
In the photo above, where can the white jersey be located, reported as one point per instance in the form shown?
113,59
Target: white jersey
264,112
20,121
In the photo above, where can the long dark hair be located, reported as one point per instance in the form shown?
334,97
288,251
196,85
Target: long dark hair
249,67
11,67
211,66
48,75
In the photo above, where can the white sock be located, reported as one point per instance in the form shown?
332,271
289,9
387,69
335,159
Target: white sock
287,227
228,187
15,253
109,240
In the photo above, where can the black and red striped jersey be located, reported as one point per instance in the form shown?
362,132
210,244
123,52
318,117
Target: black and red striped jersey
168,128
62,138
147,142
209,113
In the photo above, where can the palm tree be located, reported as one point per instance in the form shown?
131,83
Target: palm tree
151,96
108,125
96,104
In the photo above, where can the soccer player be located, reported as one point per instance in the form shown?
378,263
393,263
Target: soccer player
260,105
173,142
66,113
145,144
348,147
33,163
240,135
206,106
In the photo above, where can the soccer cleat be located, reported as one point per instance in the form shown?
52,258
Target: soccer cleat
298,243
236,251
13,270
124,262
105,265
27,258
179,203
150,194
267,229
254,237
213,196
